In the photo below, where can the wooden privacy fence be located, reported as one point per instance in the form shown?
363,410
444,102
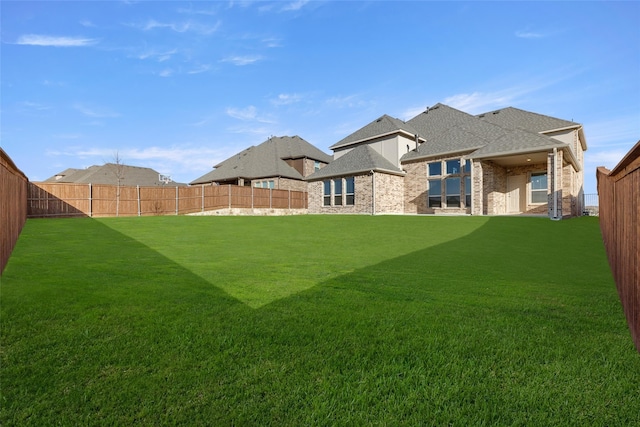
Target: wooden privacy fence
99,200
13,206
619,193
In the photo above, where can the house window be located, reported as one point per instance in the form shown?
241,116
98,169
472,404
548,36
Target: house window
316,165
453,167
452,186
350,184
337,192
435,193
466,168
327,193
435,168
539,187
467,191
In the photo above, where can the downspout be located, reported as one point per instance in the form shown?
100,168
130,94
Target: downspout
555,185
373,192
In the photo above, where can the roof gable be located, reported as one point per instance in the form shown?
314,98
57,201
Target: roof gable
511,118
361,159
383,125
265,160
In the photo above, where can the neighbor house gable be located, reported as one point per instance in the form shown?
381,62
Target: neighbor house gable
281,157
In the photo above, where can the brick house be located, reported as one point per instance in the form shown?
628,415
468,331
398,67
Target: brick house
507,161
278,163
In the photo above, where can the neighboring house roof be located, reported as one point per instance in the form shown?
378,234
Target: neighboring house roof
111,173
359,160
384,125
265,160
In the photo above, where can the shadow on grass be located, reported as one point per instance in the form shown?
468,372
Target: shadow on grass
515,323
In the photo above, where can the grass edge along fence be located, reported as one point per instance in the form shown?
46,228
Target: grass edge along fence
619,205
13,206
103,200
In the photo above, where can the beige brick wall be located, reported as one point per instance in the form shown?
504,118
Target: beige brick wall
415,187
280,183
389,196
389,193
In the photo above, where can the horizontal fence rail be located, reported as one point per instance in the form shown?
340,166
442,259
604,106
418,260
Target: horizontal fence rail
99,200
13,206
619,206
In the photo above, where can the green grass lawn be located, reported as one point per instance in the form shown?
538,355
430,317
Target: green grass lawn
314,320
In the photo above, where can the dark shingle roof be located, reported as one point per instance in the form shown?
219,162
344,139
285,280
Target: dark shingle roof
109,174
265,160
517,141
511,118
447,130
361,159
383,125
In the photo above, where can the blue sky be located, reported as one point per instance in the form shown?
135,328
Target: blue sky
181,86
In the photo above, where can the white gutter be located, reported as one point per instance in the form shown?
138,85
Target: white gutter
555,185
373,192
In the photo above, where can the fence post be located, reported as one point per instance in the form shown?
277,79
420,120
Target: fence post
229,196
177,199
252,197
270,198
202,197
138,191
90,201
289,199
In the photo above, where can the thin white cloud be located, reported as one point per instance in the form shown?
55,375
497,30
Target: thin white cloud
623,130
248,113
242,60
348,101
287,99
179,27
167,72
478,101
294,5
99,113
34,106
529,35
68,136
200,69
159,56
272,42
54,41
87,23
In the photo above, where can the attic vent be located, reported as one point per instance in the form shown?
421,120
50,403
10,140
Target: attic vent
481,116
496,112
379,120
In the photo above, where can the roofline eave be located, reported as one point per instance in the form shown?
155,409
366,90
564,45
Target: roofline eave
572,158
357,172
447,153
360,141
